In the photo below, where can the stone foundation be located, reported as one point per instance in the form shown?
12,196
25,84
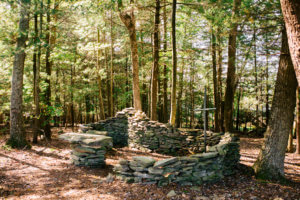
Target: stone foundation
220,160
88,149
133,128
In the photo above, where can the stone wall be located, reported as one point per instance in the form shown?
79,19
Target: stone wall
88,149
133,128
220,160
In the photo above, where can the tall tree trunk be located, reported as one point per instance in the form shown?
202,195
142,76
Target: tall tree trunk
256,82
72,90
165,79
298,123
179,97
101,106
231,78
155,69
192,113
36,81
270,162
291,14
215,81
47,128
174,68
219,80
52,44
128,99
267,89
128,19
17,133
238,110
111,71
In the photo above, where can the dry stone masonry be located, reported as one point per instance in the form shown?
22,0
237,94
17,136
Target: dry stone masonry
88,149
133,128
186,170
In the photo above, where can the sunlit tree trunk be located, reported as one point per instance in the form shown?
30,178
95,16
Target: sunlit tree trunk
128,18
215,81
17,133
111,71
298,123
270,162
101,106
165,79
174,68
231,77
290,10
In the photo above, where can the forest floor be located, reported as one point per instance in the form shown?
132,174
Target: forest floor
45,172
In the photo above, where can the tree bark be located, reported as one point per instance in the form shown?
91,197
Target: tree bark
47,127
165,79
290,147
179,99
270,162
36,81
128,19
155,69
215,81
231,78
17,133
111,71
101,106
290,10
174,68
219,80
298,123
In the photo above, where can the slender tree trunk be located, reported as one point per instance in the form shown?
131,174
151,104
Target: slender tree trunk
192,97
174,68
215,81
128,19
219,80
179,97
128,100
111,77
256,83
155,69
17,133
267,89
47,128
290,147
270,162
36,81
290,10
72,92
298,123
231,77
238,110
52,44
101,106
109,114
165,79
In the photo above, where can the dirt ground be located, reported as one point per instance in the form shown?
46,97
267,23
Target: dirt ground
45,172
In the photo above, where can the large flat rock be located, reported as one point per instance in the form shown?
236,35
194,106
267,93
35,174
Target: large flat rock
87,139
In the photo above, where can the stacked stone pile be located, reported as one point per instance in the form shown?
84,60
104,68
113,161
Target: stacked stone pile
187,170
88,149
116,127
133,128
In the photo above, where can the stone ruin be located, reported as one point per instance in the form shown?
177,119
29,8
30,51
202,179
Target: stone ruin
134,129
